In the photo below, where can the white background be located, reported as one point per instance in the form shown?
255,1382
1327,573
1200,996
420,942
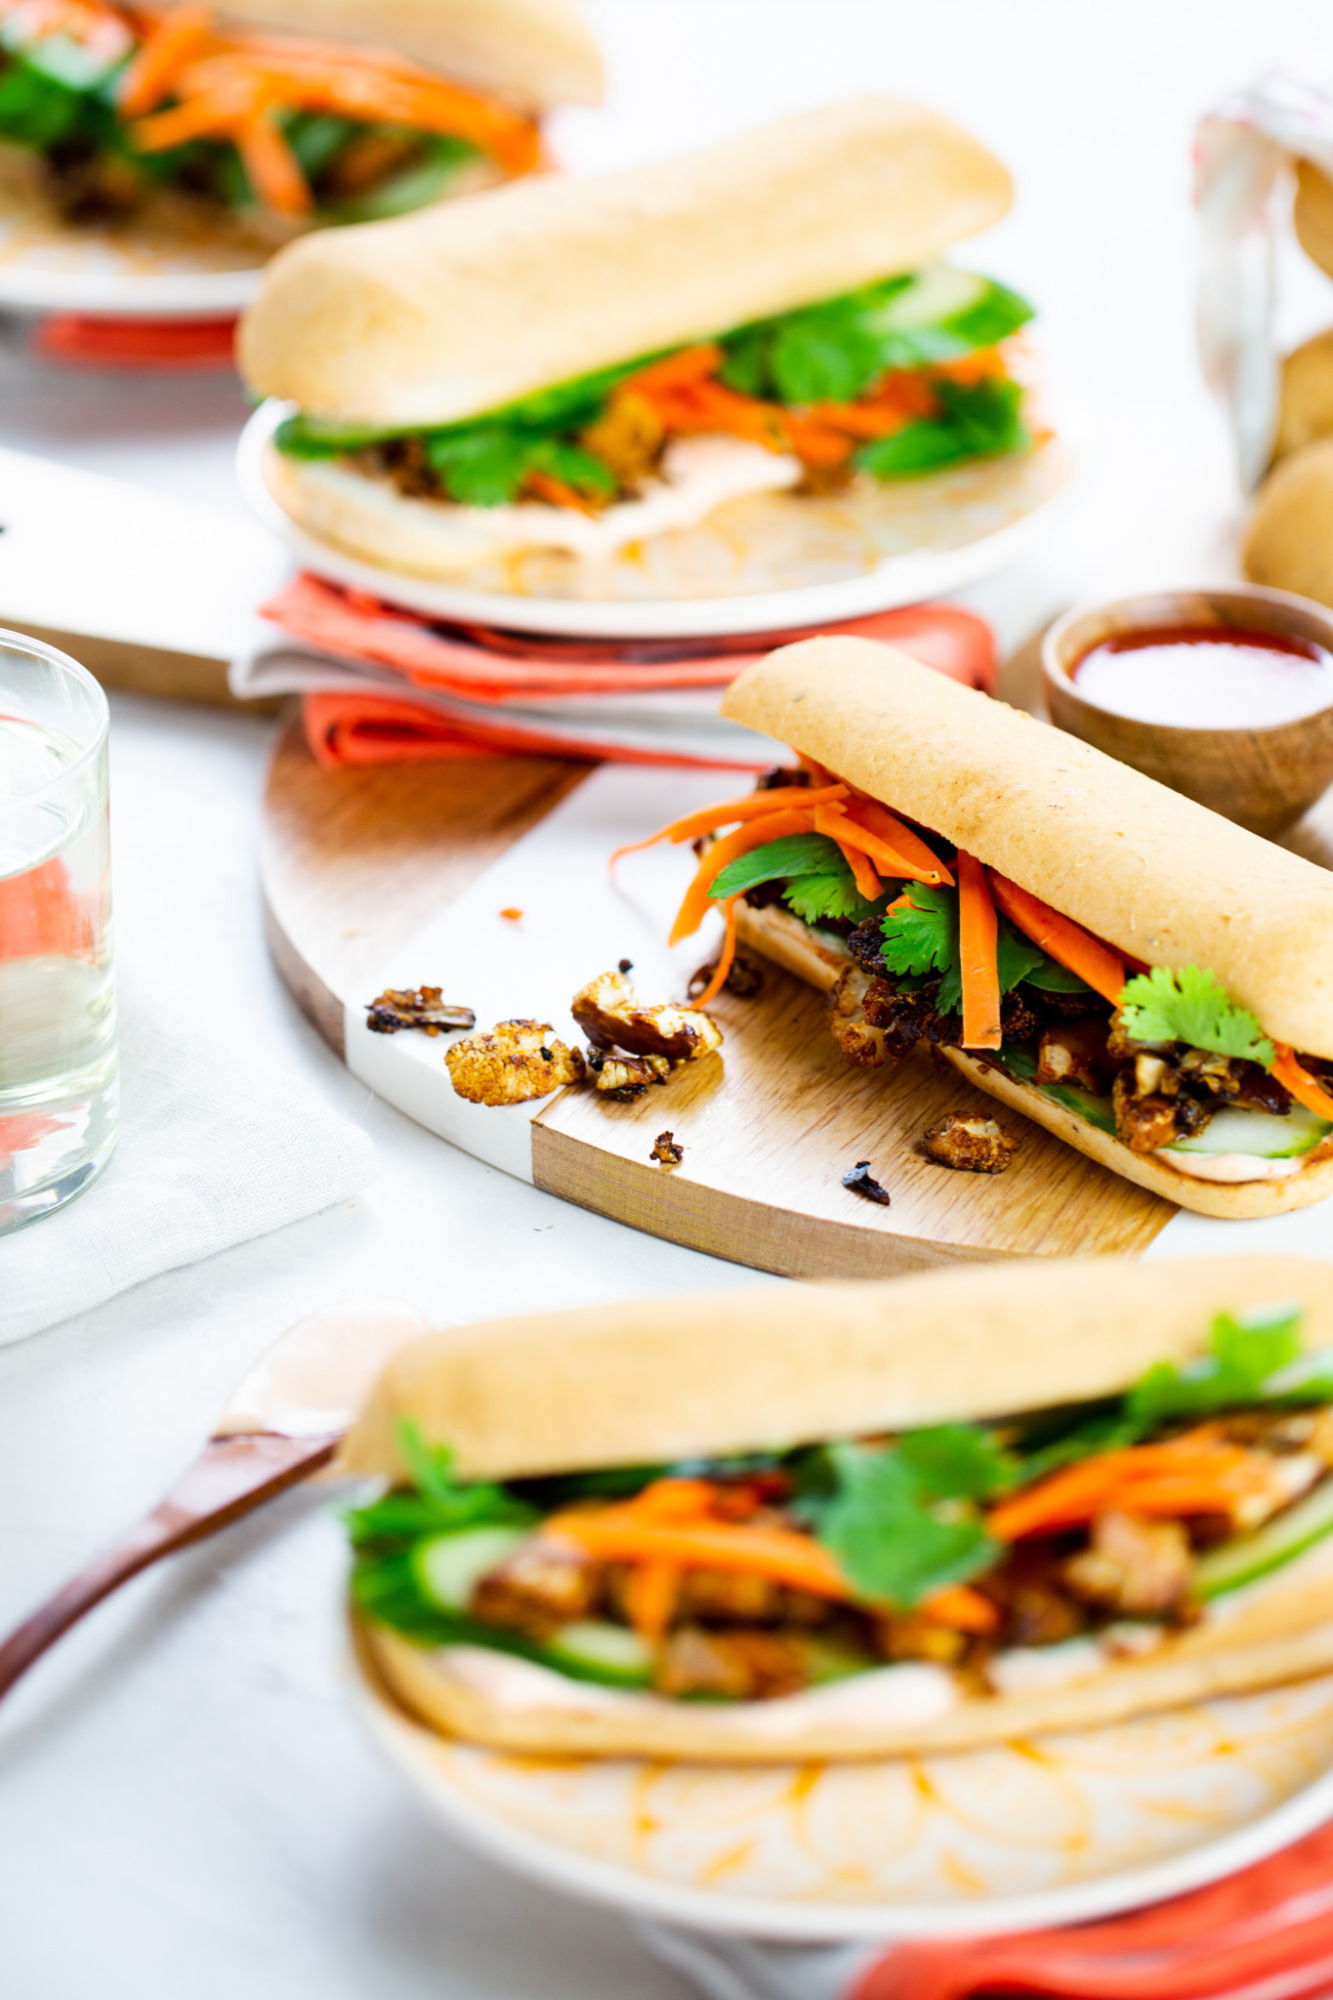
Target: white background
186,1809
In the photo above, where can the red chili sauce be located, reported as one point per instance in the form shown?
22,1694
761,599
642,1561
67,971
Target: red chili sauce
1207,677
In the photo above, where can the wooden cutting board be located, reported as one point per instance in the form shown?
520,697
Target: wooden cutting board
399,876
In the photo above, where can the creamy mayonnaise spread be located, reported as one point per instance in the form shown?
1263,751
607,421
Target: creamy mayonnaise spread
697,475
1230,1167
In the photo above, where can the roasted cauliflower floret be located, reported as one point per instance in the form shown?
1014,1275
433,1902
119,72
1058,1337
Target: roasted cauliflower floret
861,1044
612,1018
971,1144
626,1077
512,1063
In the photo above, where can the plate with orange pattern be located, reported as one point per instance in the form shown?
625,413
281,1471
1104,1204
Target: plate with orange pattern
1053,1830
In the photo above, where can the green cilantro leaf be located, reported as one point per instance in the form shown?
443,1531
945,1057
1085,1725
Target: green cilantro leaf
977,420
895,1542
921,935
815,898
1017,958
1051,977
958,1461
1192,1006
794,854
437,1502
1245,1353
483,467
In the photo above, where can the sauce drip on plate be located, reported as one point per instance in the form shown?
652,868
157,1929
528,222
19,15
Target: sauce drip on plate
1207,677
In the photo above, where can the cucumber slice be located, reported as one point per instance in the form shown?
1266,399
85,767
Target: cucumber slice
1253,1556
612,1653
448,1568
1268,1135
1098,1111
937,293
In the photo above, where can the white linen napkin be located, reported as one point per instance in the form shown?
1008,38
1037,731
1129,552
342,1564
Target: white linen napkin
212,1151
667,722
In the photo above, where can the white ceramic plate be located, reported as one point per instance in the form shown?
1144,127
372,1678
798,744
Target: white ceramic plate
98,285
45,267
944,531
1053,1831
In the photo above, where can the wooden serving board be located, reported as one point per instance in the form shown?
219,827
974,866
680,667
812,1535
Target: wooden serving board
399,877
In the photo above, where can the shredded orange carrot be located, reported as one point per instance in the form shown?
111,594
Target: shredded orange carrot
1097,964
557,492
726,956
208,116
781,1554
964,1609
171,43
690,364
1198,1461
839,826
863,874
890,829
223,82
978,962
1306,1089
271,166
711,818
757,833
651,1591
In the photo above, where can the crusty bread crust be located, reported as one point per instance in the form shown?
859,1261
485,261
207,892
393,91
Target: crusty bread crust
1284,1634
1152,872
785,939
465,306
658,1380
534,52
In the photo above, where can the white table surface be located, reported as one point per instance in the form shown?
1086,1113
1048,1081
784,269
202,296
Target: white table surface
186,1809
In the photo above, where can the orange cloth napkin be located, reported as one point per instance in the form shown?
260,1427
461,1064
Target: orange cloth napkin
90,340
1265,1934
480,665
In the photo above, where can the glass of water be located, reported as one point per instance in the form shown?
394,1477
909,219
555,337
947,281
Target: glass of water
58,1084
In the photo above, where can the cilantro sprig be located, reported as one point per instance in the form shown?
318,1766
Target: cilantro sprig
1192,1006
921,938
896,1536
818,883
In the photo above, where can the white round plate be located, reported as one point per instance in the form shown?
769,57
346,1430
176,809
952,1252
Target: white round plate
965,524
46,267
1053,1831
98,286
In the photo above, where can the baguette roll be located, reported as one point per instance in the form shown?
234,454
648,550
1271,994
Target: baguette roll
748,1371
463,308
707,1374
537,53
1153,873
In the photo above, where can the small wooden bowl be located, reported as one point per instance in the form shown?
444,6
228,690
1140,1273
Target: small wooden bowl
1265,779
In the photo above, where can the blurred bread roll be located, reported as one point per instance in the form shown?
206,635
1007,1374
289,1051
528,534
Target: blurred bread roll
1289,541
1312,216
1305,407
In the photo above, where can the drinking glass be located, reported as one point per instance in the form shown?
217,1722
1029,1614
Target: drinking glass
58,1084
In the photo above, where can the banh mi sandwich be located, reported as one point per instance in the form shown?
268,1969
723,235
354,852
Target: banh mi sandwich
1147,980
280,113
585,363
854,1520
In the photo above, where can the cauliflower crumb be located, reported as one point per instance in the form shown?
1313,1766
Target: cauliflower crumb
512,1063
